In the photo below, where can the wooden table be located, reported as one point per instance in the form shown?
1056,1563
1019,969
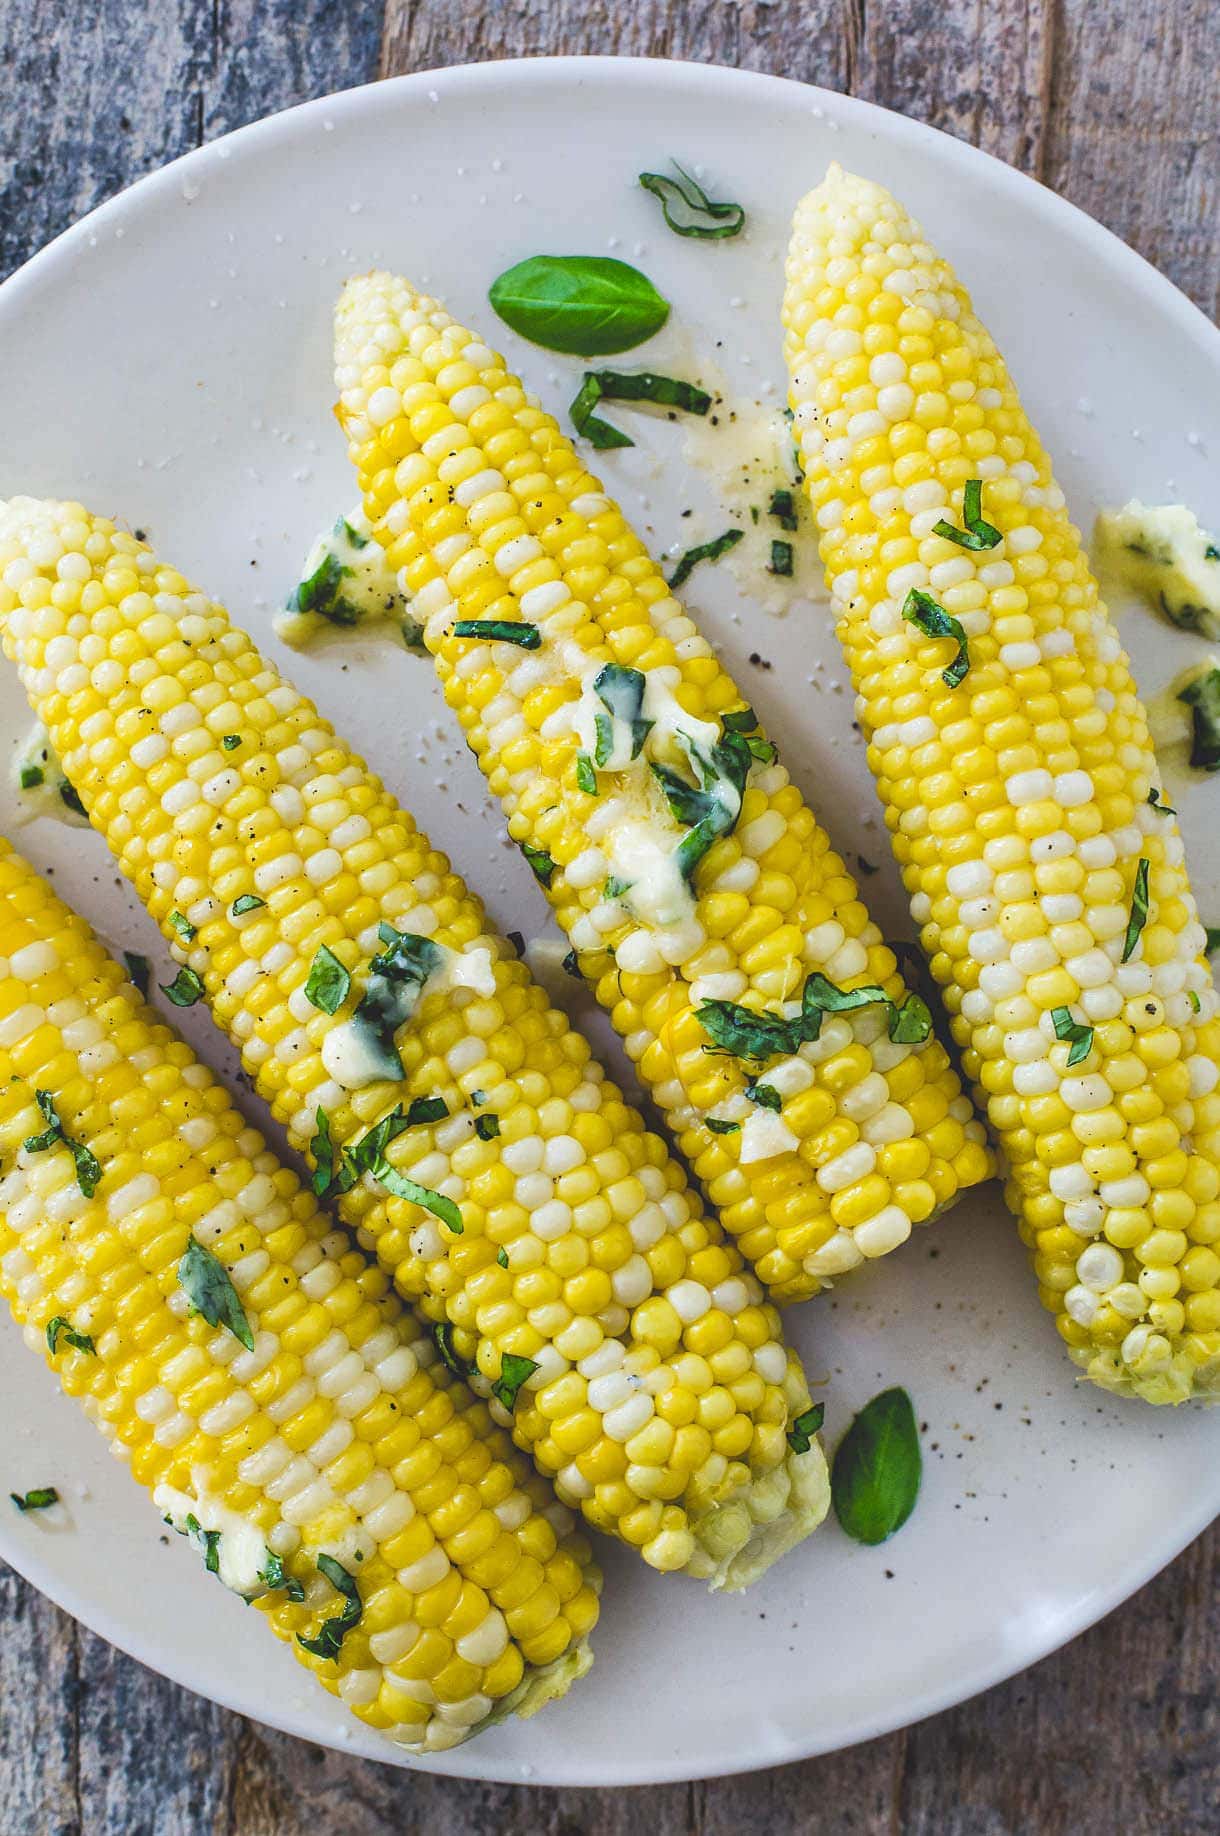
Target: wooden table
1114,106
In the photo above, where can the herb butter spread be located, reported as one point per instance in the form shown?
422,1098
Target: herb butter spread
41,783
355,1053
234,1548
1160,552
346,582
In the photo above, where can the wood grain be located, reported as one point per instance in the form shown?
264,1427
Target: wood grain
1113,106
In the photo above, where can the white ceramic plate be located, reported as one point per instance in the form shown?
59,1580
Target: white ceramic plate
169,361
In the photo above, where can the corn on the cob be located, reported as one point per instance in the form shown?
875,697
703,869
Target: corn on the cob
524,1205
493,519
310,1423
1022,794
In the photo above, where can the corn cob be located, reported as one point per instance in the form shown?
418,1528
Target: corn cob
1022,794
310,1422
492,519
525,1207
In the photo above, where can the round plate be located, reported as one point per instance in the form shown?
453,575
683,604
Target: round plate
168,360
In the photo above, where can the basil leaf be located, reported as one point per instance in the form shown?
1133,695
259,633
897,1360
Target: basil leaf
540,861
185,929
322,591
877,1469
805,1426
1211,939
1139,910
741,720
69,796
391,994
230,741
502,1257
706,551
911,1023
781,560
1196,1005
59,1328
1202,697
688,210
687,804
442,1332
332,1632
615,887
40,1499
185,989
571,966
921,610
503,631
783,508
275,1576
30,777
487,1127
207,1542
749,1035
719,1127
1162,809
322,1151
977,533
1080,1035
421,1110
602,436
88,1167
404,1187
328,983
621,692
207,1286
367,1152
514,1371
138,970
587,305
603,744
765,1096
586,777
245,902
623,386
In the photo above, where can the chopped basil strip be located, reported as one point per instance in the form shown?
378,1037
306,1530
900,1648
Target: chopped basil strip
207,1542
275,1576
621,692
322,1151
756,1036
765,1095
1162,809
921,610
185,989
367,1153
421,1110
1211,939
587,305
332,1632
60,1328
621,386
328,982
877,1469
1202,697
442,1332
502,1257
30,777
749,1035
487,1127
741,720
517,941
783,508
1196,1006
207,1286
88,1167
586,777
38,1500
781,560
615,887
514,1371
185,929
230,741
403,1187
1139,910
245,902
977,533
571,966
705,551
688,210
722,1128
504,631
541,863
805,1426
1080,1035
322,591
137,969
391,994
70,796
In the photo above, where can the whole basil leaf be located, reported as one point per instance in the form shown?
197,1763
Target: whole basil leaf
877,1469
587,305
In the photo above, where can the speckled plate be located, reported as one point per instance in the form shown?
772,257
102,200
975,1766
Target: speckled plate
169,360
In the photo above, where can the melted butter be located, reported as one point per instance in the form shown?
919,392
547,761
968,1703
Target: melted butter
45,796
346,584
242,1549
1160,552
764,1134
352,1052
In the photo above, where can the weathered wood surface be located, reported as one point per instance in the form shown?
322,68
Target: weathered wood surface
1114,106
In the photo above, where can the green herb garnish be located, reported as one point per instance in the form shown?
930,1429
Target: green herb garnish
185,929
571,966
185,989
621,386
275,1576
138,970
38,1500
1202,697
207,1285
718,1127
1211,939
442,1332
621,692
332,1632
587,305
765,1095
1080,1035
877,1469
502,1257
403,1187
1196,1005
586,777
391,994
322,1152
31,777
1162,809
69,796
1139,910
783,508
977,533
514,1371
781,560
88,1167
230,741
757,1036
207,1542
805,1426
503,631
921,610
540,862
487,1127
245,902
328,983
705,551
687,208
60,1328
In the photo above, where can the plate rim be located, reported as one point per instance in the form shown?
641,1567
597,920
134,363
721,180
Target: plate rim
1165,296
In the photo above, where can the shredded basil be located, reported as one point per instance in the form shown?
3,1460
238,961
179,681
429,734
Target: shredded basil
185,989
1080,1035
1162,809
207,1285
322,591
230,741
138,970
185,929
40,1499
1196,1005
587,305
328,983
621,692
741,720
622,386
245,902
1139,909
60,1328
705,551
757,1036
502,1257
877,1469
541,864
805,1426
765,1095
367,1153
514,1371
207,1542
442,1332
70,797
571,966
332,1632
615,887
31,777
1211,939
391,994
503,631
487,1127
977,533
322,1152
781,560
88,1167
783,508
586,777
1202,697
688,210
275,1576
921,610
403,1187
718,1127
